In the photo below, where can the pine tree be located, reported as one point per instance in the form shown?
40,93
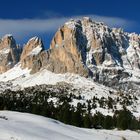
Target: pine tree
108,122
87,121
124,118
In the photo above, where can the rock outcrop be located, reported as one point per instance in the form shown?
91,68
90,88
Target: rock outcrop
30,57
67,52
97,44
9,53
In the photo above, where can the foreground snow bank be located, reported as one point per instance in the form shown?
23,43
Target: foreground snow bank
23,126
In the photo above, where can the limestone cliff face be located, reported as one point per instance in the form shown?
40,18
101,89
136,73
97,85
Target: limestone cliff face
80,45
67,52
9,53
30,57
95,44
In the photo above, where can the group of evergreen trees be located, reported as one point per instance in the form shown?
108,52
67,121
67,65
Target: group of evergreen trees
41,103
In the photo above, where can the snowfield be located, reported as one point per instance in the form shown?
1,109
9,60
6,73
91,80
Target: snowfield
24,126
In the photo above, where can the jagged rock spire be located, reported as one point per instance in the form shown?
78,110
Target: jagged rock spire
9,53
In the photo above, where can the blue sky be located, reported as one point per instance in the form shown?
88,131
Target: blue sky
28,18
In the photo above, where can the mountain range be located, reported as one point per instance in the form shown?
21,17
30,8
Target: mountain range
83,47
93,59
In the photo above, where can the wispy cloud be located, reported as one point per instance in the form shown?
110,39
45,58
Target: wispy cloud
25,27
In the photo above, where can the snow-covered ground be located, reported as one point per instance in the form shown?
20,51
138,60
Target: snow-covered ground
14,73
23,78
86,87
23,126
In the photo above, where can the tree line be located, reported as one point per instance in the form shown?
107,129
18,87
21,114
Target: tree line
41,102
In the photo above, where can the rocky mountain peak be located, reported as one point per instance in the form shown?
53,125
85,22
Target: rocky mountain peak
68,48
9,53
7,42
96,49
79,38
33,47
34,41
99,44
30,54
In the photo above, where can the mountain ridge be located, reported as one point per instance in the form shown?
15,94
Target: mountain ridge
109,56
92,37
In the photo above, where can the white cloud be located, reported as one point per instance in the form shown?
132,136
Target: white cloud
24,27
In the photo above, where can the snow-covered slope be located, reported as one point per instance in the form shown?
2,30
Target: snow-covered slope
23,126
21,78
14,73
